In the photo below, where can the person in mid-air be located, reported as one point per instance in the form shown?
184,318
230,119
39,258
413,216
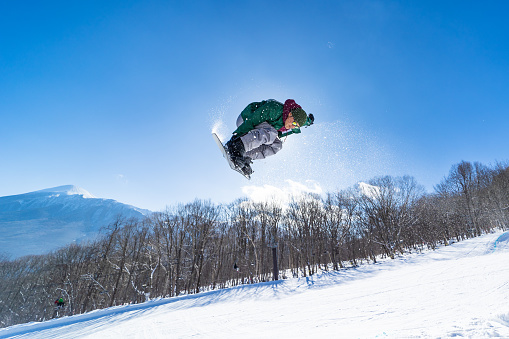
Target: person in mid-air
260,127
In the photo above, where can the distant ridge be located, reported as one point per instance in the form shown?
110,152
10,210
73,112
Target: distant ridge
41,221
67,189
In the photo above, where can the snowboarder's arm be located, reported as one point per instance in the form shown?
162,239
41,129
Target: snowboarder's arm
310,120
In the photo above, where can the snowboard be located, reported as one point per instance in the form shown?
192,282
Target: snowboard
227,156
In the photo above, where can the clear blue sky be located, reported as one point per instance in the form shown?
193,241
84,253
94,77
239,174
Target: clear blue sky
120,97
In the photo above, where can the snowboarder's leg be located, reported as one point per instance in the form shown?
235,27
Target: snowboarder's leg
262,134
258,143
261,142
265,150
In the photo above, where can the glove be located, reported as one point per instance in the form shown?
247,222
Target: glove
310,120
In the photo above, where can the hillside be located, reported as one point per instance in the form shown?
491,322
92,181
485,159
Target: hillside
459,290
37,222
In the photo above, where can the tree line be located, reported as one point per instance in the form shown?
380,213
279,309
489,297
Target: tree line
202,246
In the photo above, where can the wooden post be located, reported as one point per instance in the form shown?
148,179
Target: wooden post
274,261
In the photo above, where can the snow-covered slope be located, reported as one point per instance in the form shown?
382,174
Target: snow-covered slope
66,190
37,222
460,290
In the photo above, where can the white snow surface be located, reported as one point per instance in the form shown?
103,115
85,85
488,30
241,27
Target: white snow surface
461,290
67,190
41,221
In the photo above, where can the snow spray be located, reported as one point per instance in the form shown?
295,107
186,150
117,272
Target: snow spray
326,156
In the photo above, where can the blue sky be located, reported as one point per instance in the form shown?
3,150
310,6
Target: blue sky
120,97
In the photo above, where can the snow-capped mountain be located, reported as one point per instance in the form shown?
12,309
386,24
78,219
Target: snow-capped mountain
40,221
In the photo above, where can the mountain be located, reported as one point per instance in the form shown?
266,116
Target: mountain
37,222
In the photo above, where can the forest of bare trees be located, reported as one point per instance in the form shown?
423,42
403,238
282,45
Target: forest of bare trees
203,246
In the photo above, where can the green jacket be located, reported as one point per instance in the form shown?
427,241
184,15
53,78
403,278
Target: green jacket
270,111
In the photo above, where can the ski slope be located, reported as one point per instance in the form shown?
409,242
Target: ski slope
460,290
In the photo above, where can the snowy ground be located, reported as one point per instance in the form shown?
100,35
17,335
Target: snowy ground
457,291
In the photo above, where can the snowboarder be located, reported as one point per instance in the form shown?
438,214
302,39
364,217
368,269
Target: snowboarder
260,127
59,303
59,308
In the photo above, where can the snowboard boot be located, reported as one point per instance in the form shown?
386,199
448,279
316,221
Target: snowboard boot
245,165
247,170
237,152
235,147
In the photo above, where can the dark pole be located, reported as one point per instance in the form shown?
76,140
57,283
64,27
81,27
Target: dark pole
274,261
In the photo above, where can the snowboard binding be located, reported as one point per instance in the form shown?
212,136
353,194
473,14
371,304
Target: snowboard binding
237,161
236,151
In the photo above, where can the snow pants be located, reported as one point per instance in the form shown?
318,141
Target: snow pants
260,142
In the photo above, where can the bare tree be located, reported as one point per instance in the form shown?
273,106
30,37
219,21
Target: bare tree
200,245
387,205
